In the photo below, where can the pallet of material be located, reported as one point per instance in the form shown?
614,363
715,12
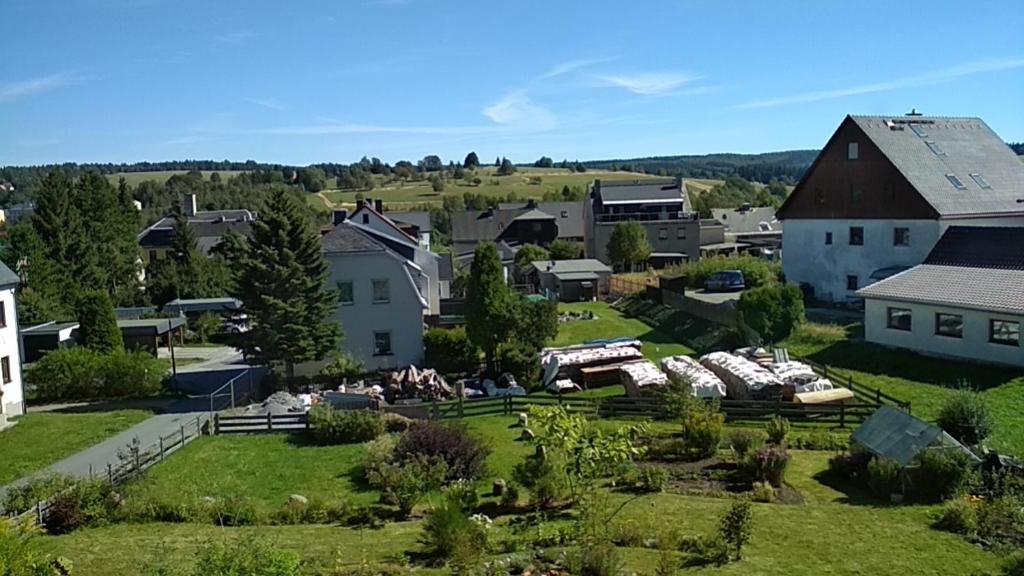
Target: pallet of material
744,380
833,396
801,376
684,370
597,376
642,378
559,363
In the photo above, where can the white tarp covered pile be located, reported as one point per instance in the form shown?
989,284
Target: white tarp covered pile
744,380
685,370
413,382
564,363
563,386
801,377
641,378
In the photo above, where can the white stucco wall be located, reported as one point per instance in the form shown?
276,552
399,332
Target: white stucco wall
807,259
13,399
974,345
402,315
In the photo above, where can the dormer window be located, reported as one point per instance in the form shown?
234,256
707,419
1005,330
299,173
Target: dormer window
853,151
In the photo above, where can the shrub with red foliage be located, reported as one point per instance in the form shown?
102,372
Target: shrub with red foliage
465,455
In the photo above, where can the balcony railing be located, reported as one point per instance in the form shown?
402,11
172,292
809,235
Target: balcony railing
646,217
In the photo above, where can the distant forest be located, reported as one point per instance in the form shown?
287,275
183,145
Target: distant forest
786,167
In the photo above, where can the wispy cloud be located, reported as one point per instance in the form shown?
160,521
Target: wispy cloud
649,84
33,86
270,103
515,110
571,65
236,37
926,79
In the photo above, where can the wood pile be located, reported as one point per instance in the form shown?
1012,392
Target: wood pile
744,380
683,370
412,382
642,378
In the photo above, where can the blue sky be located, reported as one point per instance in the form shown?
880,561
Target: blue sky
310,81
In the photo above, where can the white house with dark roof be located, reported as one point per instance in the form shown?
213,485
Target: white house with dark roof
12,393
385,294
966,300
209,227
882,192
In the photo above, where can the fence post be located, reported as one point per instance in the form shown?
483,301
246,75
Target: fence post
878,395
182,430
458,390
233,392
161,448
842,415
39,511
199,429
215,426
824,370
110,474
270,421
435,411
849,383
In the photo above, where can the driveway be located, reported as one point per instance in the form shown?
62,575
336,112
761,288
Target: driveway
210,357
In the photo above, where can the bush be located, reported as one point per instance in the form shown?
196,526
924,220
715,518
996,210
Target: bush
762,492
450,351
756,272
312,512
23,497
884,477
247,556
79,373
20,554
206,327
768,464
777,429
329,426
708,550
1001,521
233,511
522,361
819,440
772,311
449,533
86,503
965,416
702,431
959,516
343,366
644,478
510,497
464,456
543,478
735,526
405,484
462,494
743,441
940,474
850,465
1013,565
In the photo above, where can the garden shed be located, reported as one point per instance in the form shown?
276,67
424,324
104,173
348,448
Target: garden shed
894,434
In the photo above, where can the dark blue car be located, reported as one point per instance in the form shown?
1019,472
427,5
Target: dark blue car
725,281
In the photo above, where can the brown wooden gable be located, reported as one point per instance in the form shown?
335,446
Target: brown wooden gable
870,187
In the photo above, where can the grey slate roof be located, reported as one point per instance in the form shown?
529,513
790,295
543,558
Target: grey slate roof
476,225
980,247
208,227
571,266
976,267
965,146
534,214
749,221
7,276
347,238
957,286
640,191
419,219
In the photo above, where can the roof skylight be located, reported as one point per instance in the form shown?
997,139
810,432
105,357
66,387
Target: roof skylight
955,182
919,130
934,148
980,181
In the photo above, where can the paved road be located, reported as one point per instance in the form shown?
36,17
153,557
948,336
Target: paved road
212,357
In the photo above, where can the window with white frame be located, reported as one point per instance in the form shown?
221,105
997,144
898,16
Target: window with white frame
382,343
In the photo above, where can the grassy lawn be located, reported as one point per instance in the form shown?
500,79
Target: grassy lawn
42,438
827,534
135,178
925,382
610,323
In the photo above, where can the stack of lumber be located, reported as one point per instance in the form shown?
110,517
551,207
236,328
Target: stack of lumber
567,363
800,376
744,380
642,378
703,383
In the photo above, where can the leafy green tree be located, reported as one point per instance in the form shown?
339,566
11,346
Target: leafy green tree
313,179
565,250
628,246
471,161
535,323
544,162
458,172
772,311
506,167
528,254
736,525
489,302
281,277
97,324
110,225
431,163
436,183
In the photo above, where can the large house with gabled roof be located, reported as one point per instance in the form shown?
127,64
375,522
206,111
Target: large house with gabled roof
882,192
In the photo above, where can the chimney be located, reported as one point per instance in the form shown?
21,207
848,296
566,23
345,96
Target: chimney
190,205
339,216
378,205
360,204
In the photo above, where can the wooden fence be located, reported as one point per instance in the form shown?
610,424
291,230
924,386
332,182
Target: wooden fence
134,459
839,415
862,392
